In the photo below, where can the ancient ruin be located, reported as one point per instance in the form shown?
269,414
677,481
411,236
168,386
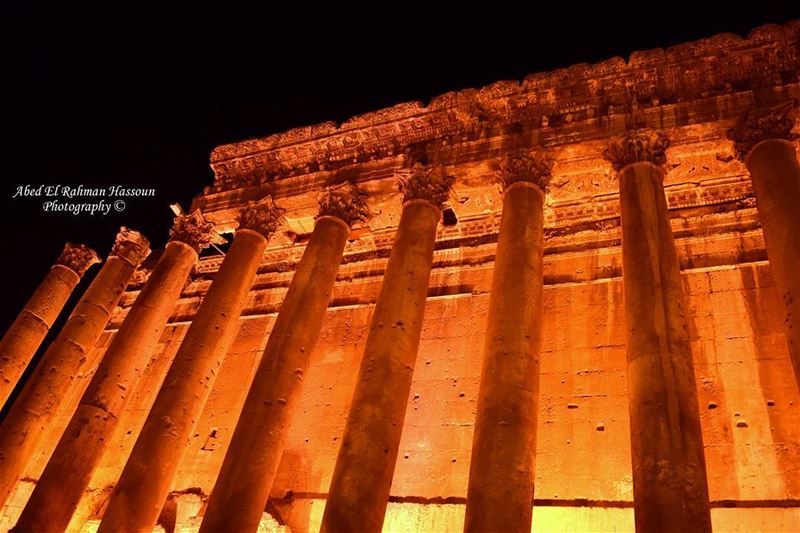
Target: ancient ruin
571,301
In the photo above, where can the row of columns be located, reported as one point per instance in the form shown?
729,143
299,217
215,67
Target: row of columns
669,477
35,320
65,360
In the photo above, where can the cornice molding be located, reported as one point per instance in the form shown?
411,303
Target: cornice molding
721,65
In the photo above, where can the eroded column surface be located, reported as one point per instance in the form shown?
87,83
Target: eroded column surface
359,490
29,329
147,477
763,142
670,490
64,359
242,488
502,473
67,474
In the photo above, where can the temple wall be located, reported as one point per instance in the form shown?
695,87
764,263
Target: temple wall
747,397
747,394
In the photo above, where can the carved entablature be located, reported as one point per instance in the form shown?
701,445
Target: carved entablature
262,216
426,183
345,202
637,146
757,126
78,258
532,167
131,246
687,74
193,230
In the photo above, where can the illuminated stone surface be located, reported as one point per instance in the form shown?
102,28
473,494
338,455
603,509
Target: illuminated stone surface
670,492
365,464
242,489
144,484
70,468
37,405
694,93
502,466
27,332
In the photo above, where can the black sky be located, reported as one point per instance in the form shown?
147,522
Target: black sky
137,96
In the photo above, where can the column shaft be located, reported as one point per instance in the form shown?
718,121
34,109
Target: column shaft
63,361
775,173
359,490
29,329
242,488
69,471
147,477
500,493
670,489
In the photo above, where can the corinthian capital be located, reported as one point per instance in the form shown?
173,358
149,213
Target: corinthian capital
193,230
345,202
424,183
637,146
262,216
757,126
78,258
531,167
131,246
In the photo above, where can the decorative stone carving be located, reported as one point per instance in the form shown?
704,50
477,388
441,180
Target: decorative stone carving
262,216
533,167
688,74
425,183
757,126
131,246
637,146
78,258
345,202
192,229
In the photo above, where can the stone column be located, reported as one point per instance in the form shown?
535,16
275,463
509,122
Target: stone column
69,471
762,141
242,488
502,473
64,359
29,329
359,490
670,490
147,477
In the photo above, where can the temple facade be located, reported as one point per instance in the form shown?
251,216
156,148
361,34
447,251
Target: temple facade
571,301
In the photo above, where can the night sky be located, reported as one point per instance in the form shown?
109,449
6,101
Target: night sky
141,97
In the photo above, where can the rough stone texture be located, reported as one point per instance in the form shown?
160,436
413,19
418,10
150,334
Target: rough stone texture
244,483
70,468
192,230
65,358
139,495
670,491
365,465
28,331
502,467
263,217
747,393
78,258
740,364
775,172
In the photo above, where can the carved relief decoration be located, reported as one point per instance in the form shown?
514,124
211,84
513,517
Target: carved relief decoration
533,167
425,183
637,146
580,94
192,229
262,216
78,257
345,202
757,126
131,246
